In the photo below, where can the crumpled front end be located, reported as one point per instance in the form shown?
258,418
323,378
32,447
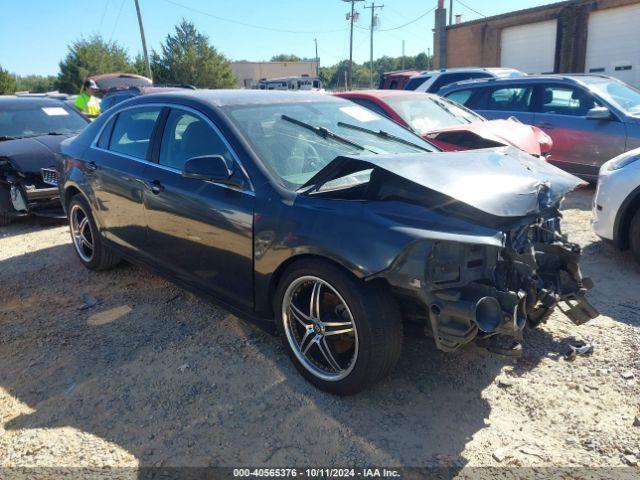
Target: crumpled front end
29,192
468,291
506,265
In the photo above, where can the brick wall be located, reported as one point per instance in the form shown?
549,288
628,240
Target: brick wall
477,43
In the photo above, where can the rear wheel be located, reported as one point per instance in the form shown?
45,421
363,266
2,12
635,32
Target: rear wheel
341,333
634,236
87,239
6,207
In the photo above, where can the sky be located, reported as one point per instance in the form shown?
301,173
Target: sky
34,34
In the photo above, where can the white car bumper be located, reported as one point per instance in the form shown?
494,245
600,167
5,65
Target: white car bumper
614,186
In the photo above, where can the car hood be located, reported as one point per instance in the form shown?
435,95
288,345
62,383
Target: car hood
506,132
503,182
31,154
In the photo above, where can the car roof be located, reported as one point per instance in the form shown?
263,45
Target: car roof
17,100
223,98
403,73
465,69
573,77
147,89
117,75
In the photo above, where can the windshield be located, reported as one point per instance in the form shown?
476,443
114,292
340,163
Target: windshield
296,140
32,120
425,113
621,95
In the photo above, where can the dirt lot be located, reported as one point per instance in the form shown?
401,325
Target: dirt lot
154,376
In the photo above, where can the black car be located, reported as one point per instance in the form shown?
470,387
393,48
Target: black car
31,129
336,222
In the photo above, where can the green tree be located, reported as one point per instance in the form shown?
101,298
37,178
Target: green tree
7,82
285,57
36,83
188,57
88,57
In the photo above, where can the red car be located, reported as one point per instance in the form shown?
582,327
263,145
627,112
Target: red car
448,124
397,79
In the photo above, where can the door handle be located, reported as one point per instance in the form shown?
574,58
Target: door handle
156,187
91,166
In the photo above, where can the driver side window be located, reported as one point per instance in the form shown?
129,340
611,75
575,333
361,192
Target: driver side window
186,136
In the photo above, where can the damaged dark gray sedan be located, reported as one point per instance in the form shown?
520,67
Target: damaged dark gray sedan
327,218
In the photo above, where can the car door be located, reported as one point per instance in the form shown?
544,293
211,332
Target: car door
580,144
504,101
199,230
115,174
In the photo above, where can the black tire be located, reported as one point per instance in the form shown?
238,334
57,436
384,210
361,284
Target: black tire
6,207
378,325
101,258
634,236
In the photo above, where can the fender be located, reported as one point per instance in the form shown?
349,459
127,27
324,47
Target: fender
623,217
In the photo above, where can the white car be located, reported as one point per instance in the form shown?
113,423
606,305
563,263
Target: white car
616,207
434,80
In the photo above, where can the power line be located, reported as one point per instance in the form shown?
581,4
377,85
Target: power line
115,25
249,25
469,8
104,12
403,25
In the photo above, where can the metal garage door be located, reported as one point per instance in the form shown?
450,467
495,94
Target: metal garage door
613,44
530,48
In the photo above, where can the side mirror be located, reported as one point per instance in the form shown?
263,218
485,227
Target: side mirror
208,167
598,113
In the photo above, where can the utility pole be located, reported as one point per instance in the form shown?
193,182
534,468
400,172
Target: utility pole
144,41
351,17
373,25
317,58
450,12
402,54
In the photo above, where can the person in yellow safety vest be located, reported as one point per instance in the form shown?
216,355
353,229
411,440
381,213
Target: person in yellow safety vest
87,102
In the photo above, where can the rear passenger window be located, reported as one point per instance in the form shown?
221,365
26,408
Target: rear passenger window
461,96
414,83
187,136
105,136
511,99
132,132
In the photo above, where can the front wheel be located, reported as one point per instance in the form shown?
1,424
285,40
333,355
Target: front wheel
87,239
341,333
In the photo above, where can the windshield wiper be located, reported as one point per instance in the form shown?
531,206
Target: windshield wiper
56,133
447,108
4,138
383,134
322,132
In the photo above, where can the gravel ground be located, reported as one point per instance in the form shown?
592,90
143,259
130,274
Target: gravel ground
154,376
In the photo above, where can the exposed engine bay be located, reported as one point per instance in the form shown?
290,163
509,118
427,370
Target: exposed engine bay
489,257
26,192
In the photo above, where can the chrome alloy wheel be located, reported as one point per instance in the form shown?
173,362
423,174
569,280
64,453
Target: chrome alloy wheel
320,328
81,233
